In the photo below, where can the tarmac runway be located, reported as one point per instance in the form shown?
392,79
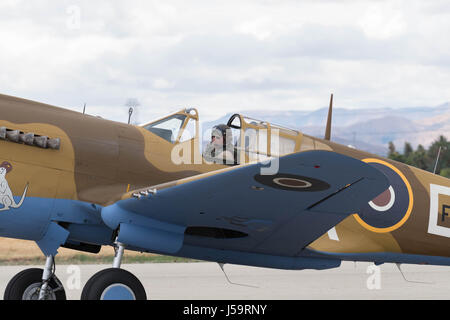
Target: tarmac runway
205,281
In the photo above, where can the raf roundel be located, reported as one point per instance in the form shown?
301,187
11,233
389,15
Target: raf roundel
390,209
292,182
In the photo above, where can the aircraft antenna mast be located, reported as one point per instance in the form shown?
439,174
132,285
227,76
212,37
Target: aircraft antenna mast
437,159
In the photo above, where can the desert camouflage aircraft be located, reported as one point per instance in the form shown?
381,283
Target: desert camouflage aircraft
258,195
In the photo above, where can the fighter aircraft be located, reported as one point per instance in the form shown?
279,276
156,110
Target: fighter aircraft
258,194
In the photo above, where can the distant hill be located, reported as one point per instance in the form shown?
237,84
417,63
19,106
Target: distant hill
366,129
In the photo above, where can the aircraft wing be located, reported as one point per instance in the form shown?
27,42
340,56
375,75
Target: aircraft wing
242,209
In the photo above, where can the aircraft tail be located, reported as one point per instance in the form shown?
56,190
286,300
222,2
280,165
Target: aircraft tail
330,113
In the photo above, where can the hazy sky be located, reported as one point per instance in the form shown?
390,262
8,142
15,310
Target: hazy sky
225,56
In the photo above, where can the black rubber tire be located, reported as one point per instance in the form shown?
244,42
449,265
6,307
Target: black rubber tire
95,286
21,281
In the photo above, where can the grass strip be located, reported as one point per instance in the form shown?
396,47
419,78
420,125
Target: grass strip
92,259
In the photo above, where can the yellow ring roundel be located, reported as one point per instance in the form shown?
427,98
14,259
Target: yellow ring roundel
399,196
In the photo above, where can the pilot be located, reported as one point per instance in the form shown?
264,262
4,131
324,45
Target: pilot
220,149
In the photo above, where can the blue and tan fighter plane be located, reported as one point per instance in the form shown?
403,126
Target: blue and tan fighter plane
259,195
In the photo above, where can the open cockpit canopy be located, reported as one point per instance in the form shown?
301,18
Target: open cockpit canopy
256,139
251,139
177,127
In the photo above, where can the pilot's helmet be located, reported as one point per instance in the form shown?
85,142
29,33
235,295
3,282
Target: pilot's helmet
221,131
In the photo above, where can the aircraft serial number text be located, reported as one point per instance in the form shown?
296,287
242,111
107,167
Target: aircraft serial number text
225,310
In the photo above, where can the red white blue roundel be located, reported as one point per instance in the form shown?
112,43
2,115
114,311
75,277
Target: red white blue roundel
389,210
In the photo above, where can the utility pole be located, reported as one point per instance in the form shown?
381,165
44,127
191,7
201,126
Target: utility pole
132,104
130,113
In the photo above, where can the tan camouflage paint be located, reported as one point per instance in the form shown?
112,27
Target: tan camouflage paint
100,160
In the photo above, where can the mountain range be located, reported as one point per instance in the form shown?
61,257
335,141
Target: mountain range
366,129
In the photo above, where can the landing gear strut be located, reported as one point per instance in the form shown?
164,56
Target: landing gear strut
114,283
36,284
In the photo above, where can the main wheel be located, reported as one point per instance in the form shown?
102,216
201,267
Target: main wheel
26,285
113,284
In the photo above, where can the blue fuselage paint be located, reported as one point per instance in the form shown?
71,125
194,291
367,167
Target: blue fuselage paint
31,220
85,224
381,257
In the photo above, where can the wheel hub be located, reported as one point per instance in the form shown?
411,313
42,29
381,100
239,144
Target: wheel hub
32,292
118,291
